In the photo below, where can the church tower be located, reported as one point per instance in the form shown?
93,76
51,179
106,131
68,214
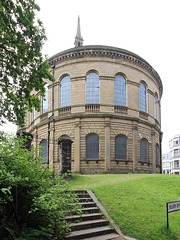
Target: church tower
78,39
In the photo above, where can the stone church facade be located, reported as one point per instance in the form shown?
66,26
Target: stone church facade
106,100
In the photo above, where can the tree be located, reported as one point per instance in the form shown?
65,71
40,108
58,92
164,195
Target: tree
22,66
33,201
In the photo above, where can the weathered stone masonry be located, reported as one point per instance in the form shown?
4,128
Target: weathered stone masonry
104,119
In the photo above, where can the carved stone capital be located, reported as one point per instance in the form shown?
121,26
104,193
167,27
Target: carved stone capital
107,124
152,133
134,127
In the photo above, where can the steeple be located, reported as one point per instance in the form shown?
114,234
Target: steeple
78,39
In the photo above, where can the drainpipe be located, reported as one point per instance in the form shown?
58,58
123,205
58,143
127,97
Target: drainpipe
52,66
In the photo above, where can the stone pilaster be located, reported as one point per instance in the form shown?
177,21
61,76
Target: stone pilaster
135,147
77,146
153,151
107,146
36,139
51,144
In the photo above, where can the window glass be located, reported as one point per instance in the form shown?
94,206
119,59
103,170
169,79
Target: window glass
167,164
142,97
121,147
176,152
65,91
176,164
44,101
44,150
144,150
171,165
92,88
92,146
176,141
120,90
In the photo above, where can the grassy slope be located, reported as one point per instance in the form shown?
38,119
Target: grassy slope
137,202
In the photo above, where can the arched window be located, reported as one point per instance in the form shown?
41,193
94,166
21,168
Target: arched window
92,88
44,150
65,91
120,90
157,154
155,106
121,147
44,100
142,97
144,150
92,146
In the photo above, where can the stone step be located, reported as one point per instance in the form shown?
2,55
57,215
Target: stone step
82,195
91,225
105,237
88,224
82,234
90,210
85,204
84,217
80,191
84,199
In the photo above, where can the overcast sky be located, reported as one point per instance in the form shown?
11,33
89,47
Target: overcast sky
148,28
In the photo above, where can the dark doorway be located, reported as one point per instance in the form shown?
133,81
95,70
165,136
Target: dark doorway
65,154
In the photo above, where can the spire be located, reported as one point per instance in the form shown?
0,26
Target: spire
78,39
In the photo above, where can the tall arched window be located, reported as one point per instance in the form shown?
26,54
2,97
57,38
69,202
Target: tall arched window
144,150
92,146
142,97
44,100
65,91
157,154
121,147
44,150
120,90
92,88
155,106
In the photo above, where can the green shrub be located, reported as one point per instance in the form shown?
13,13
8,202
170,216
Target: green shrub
33,201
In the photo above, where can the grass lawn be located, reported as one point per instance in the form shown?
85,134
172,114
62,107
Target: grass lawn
136,202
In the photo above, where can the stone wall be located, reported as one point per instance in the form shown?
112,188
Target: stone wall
105,119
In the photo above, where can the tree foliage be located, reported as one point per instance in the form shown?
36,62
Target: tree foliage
22,66
33,202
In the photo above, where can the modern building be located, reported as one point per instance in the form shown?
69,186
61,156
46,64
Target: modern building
106,100
174,155
165,163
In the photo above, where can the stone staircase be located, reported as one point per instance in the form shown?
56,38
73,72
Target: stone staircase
93,223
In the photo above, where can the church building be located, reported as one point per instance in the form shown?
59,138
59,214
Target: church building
105,107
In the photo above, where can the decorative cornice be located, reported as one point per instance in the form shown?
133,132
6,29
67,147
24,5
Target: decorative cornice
104,51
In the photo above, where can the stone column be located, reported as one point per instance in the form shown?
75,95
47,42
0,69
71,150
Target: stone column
77,146
36,140
135,147
51,144
107,146
153,151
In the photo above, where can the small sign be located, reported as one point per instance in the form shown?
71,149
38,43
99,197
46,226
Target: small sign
173,206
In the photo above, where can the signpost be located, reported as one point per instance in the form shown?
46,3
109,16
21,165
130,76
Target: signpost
172,207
